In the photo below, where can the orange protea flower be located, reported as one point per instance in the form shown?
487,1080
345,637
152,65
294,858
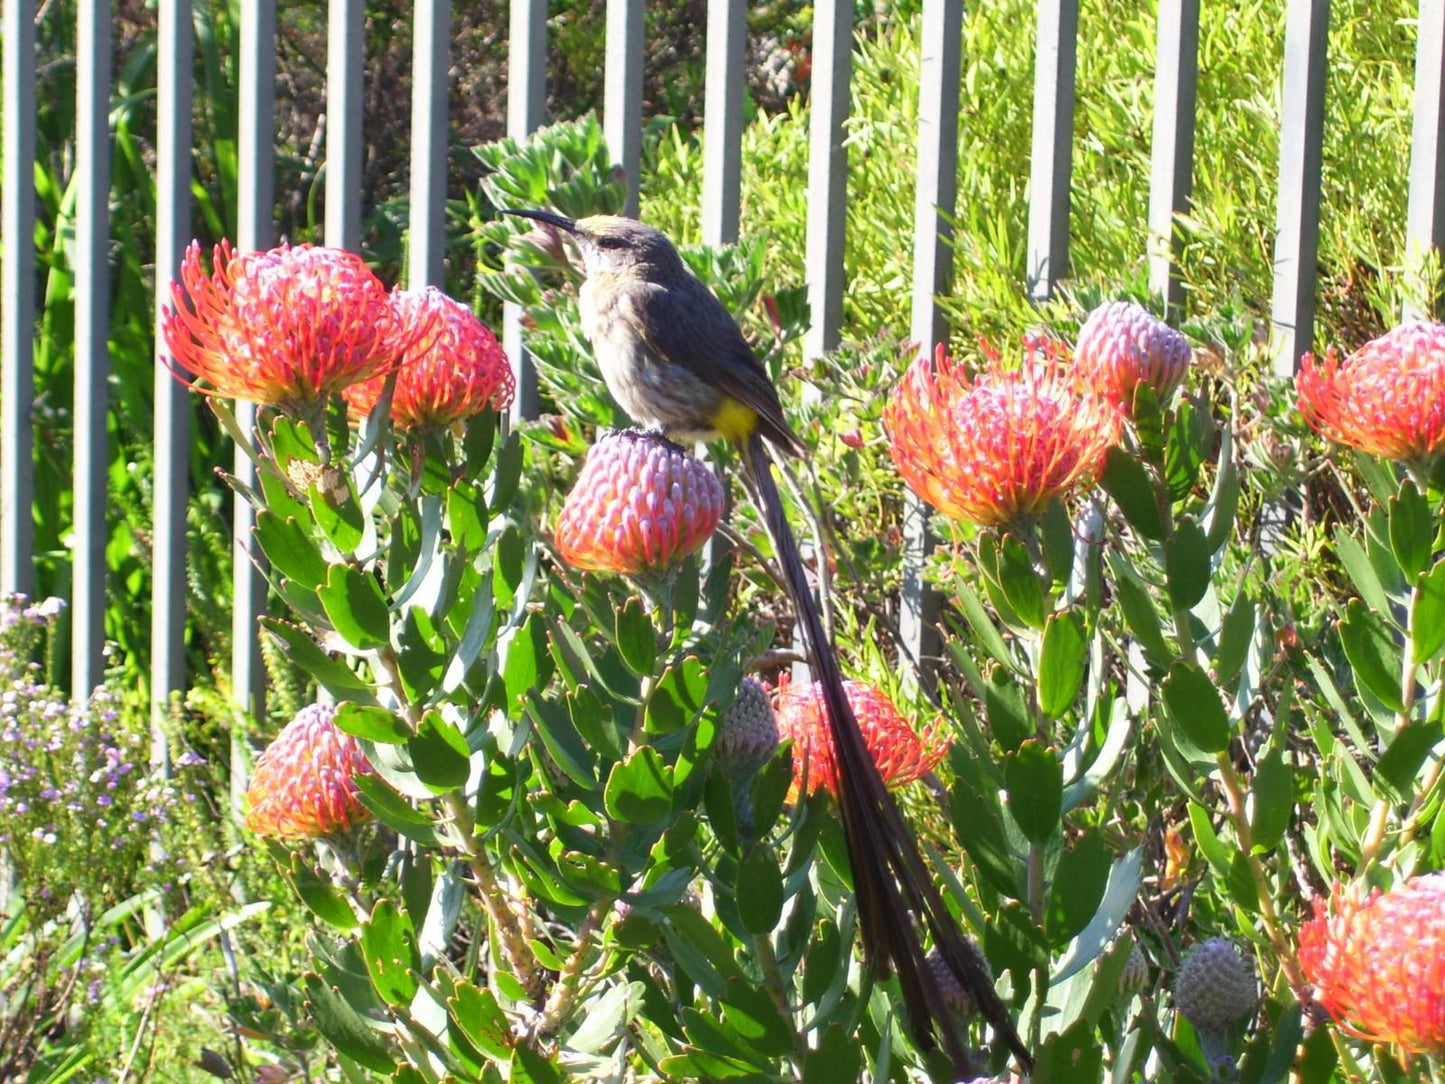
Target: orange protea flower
997,447
453,369
1123,345
901,753
1387,398
286,327
1378,964
640,504
302,786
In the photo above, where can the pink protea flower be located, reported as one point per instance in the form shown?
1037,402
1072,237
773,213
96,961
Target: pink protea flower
640,504
453,368
287,327
1378,963
1387,398
303,784
998,447
901,753
1123,345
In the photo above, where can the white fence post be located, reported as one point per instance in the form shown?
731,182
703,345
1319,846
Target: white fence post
1051,159
426,240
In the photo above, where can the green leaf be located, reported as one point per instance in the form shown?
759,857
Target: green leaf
837,1057
525,662
1127,481
1427,617
635,638
1077,887
1271,798
1071,1057
752,1015
1007,713
324,899
1139,612
1190,438
1372,654
289,547
1207,840
530,1067
1224,499
1063,658
509,563
1232,647
335,676
563,743
759,890
372,722
344,1027
1412,530
979,621
1034,779
770,790
1186,564
467,517
508,473
339,517
439,754
394,811
1362,573
354,603
1194,703
639,790
1400,764
1020,582
388,945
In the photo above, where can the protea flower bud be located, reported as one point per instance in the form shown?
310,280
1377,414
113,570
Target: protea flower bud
303,784
901,753
287,327
1378,966
453,367
958,999
1215,988
1123,345
1387,398
996,448
1135,978
748,732
640,504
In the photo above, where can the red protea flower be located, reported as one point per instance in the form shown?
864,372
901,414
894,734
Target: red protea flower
454,367
1387,398
901,753
998,447
1123,345
1378,964
286,327
640,504
302,786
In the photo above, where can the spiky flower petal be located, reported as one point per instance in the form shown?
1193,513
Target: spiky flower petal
454,367
640,504
1215,988
286,327
1378,962
901,753
1123,345
1387,398
998,447
303,784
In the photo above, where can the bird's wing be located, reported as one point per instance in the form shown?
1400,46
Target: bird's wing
684,324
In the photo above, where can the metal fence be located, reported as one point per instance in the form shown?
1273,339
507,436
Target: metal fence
1301,139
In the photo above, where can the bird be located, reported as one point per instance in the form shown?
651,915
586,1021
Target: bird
675,359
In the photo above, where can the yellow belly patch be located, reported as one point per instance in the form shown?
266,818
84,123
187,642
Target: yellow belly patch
735,420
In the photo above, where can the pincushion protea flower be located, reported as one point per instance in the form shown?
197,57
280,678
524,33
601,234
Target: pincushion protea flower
286,327
1215,988
1387,398
302,786
993,449
1378,963
1123,345
640,504
901,753
453,368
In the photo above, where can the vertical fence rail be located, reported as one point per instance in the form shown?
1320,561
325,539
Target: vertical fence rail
827,173
722,128
431,51
1176,80
17,314
1051,157
92,351
526,109
1301,145
1425,218
174,56
622,92
934,201
345,51
255,230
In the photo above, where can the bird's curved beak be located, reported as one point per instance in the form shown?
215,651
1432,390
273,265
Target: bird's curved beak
560,221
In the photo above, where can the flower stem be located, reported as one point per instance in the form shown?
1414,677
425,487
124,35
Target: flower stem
564,992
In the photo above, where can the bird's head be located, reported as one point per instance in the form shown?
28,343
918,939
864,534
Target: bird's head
610,243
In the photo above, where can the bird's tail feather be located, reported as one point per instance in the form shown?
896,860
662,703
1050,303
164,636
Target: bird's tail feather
889,877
